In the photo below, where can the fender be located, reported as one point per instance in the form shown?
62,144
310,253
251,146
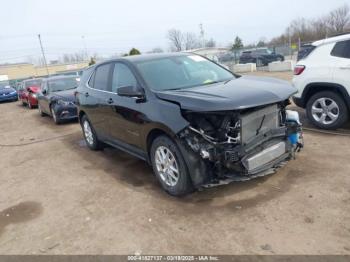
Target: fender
324,86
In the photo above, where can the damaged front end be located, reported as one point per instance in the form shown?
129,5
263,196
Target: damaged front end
242,144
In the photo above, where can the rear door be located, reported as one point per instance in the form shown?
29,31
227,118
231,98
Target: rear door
124,115
341,63
95,98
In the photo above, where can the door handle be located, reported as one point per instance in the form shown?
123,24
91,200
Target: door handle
110,101
345,67
86,94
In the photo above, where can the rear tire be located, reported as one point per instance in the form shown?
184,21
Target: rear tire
170,167
90,135
327,110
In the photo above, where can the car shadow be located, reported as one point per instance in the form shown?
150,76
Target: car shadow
138,175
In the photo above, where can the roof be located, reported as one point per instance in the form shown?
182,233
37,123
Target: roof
145,57
332,40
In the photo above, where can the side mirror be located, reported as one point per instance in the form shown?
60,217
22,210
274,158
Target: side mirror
44,92
130,91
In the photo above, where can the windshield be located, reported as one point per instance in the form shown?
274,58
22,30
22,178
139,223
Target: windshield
181,72
63,84
4,84
36,82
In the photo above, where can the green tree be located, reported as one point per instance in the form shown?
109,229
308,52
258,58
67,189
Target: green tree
238,44
134,51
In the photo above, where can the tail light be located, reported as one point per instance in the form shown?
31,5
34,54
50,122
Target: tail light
299,69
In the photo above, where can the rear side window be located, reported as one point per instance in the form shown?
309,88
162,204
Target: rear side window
341,49
305,51
122,76
101,77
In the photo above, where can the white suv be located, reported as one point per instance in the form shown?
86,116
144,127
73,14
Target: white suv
322,78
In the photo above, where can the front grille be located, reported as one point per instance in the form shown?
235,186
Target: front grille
258,122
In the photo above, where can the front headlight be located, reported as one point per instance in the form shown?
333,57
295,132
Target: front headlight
12,93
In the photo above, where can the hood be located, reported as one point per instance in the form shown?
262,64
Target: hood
67,95
34,89
241,93
6,90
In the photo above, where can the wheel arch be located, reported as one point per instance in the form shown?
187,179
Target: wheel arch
80,115
314,88
153,134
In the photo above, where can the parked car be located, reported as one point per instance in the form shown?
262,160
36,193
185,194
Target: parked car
195,122
7,93
261,57
322,78
57,98
28,92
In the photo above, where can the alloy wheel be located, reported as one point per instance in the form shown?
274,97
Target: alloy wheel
88,133
167,166
325,110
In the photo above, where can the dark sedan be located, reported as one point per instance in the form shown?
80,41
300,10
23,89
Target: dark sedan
57,98
7,93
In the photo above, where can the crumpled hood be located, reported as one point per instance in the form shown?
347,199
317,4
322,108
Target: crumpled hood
66,95
243,92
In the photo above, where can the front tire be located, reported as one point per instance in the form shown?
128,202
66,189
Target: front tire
327,110
90,135
170,167
54,116
42,114
29,104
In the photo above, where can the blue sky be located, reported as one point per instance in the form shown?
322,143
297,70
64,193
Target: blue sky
114,26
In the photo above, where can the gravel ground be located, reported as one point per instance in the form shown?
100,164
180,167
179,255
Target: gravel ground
58,197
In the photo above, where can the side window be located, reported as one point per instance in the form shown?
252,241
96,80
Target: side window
122,76
101,76
341,49
91,81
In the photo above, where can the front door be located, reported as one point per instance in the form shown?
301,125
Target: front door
124,115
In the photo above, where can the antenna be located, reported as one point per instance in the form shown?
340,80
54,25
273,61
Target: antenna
43,53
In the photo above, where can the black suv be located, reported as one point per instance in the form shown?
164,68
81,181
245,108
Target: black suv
195,122
261,57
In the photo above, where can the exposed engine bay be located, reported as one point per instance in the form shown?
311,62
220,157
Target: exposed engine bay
243,144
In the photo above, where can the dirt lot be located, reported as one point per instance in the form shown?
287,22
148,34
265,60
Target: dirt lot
58,197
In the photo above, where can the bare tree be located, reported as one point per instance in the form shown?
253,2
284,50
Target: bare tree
210,43
339,19
156,50
191,41
176,39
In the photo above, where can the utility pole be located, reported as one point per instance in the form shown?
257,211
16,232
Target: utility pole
43,53
202,34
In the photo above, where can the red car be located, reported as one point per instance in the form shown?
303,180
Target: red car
28,91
